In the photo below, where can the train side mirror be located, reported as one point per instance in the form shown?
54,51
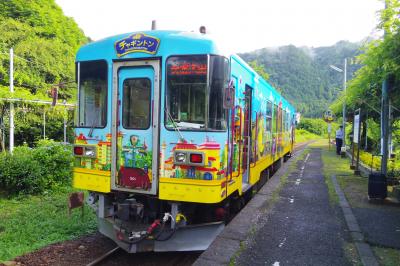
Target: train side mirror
229,96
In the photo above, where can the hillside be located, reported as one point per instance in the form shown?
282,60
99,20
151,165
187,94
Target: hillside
303,74
44,42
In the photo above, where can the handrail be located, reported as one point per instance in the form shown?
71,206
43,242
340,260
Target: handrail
255,146
240,142
232,151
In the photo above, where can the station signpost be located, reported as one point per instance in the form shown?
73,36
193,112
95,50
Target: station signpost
328,118
356,141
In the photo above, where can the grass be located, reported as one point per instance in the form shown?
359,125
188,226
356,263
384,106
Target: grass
351,253
303,135
387,256
333,165
32,222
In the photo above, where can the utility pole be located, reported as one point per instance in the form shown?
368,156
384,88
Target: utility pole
344,70
385,120
344,103
11,103
385,126
44,124
65,126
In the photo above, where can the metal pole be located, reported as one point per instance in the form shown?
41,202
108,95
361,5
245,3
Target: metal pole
390,140
11,103
344,102
65,127
357,170
385,120
44,124
366,133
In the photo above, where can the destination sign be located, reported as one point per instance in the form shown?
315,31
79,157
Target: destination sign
187,68
137,43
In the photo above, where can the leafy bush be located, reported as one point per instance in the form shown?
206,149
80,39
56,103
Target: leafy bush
32,171
19,172
316,126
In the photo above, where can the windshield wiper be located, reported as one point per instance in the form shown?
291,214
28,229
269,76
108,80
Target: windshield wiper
91,129
174,124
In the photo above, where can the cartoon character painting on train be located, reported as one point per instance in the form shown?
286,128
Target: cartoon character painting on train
214,160
103,150
136,160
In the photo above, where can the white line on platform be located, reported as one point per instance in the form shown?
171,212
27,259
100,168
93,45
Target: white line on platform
282,243
308,155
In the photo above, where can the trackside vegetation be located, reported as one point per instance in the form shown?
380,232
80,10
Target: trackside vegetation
30,222
34,187
35,170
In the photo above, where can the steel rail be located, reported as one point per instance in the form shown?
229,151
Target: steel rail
104,256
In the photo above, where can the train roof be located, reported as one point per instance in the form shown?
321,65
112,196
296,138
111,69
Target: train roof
170,43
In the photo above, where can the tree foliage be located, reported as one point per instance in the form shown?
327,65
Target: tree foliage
45,43
380,61
260,69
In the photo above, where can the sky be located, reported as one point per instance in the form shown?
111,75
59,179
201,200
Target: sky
240,26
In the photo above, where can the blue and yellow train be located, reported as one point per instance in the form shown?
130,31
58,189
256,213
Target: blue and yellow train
172,135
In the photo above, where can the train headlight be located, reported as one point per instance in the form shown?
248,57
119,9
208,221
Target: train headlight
90,151
180,157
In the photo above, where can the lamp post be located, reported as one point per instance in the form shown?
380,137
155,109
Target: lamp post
344,102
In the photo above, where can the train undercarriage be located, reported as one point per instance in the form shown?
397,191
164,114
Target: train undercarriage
141,223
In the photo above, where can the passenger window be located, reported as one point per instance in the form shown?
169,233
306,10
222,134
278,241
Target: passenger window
275,120
269,109
268,117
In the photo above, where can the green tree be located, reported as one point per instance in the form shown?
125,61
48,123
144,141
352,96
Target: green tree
45,43
260,69
380,61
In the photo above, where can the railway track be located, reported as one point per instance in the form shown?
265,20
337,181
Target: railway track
119,257
103,257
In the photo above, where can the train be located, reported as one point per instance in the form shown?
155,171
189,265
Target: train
172,136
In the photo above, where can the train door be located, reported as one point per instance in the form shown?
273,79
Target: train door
280,127
247,142
135,134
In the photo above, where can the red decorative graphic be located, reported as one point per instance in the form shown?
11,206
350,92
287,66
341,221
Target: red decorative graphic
133,178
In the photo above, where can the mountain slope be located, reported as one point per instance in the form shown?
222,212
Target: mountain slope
44,42
303,74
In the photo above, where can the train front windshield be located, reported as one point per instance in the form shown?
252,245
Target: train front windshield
195,87
92,94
